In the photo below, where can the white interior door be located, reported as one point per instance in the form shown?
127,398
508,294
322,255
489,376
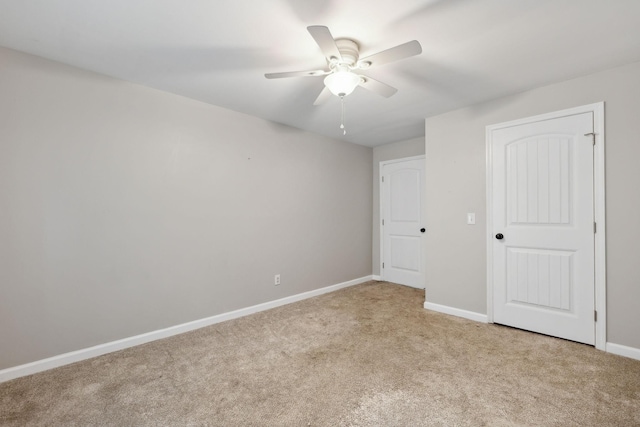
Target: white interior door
543,226
402,211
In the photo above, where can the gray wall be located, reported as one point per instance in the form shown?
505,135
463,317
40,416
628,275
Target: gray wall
396,150
455,182
124,209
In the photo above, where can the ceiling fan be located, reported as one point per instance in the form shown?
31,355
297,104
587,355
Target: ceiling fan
344,64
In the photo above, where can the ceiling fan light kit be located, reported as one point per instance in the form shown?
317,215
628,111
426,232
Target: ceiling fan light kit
343,58
342,83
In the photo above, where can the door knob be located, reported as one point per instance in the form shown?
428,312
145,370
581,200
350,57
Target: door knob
422,230
499,236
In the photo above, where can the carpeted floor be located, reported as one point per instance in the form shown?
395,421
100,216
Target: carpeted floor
368,355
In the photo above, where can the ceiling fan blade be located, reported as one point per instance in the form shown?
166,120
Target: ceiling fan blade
325,40
323,97
402,51
309,73
378,87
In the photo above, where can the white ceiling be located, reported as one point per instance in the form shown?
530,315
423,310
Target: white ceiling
217,51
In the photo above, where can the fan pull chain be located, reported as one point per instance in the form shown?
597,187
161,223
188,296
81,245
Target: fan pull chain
342,126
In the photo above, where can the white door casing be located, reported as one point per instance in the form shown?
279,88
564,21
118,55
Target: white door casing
541,198
402,219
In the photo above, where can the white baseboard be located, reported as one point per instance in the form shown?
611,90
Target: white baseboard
378,278
620,350
623,350
98,350
471,315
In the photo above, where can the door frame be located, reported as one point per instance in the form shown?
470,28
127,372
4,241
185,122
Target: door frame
381,166
599,210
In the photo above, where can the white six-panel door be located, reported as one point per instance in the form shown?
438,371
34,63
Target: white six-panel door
402,212
543,227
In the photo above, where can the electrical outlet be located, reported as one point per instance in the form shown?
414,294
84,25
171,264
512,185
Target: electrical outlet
277,279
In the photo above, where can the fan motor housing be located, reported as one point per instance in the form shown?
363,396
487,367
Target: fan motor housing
349,51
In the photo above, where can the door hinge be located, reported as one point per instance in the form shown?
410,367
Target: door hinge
595,228
593,137
383,178
595,315
383,222
383,265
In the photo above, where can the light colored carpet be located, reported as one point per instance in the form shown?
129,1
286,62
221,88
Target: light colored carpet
368,355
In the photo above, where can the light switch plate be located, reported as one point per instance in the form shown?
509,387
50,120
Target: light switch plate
471,218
